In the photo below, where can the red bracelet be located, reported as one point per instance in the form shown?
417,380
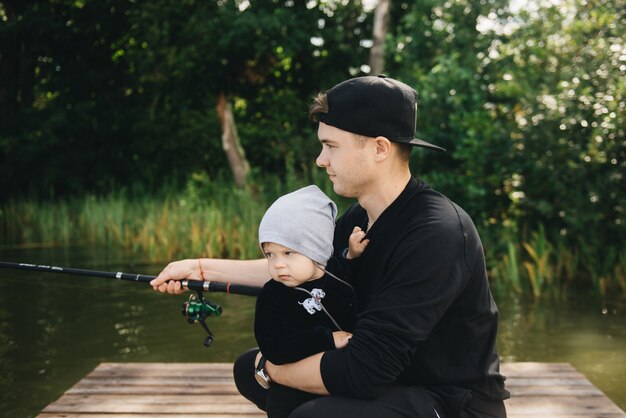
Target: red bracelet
201,272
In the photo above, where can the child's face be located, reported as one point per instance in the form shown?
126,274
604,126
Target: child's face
289,267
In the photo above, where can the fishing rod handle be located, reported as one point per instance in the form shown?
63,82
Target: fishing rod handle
208,286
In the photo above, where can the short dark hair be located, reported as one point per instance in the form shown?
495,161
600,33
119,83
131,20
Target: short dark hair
319,105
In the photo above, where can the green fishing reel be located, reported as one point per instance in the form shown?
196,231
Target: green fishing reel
198,309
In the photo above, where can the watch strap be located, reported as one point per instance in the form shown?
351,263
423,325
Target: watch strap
261,364
261,375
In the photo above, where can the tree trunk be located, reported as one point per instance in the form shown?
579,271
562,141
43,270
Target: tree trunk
377,53
230,142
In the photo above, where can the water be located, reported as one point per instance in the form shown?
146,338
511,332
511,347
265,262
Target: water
54,329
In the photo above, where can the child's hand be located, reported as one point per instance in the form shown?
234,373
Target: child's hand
356,243
341,338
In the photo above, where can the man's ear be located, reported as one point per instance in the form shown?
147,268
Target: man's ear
383,148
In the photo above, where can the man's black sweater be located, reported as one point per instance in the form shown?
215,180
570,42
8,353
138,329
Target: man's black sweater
425,312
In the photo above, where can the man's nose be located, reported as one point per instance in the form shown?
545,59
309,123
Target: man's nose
321,160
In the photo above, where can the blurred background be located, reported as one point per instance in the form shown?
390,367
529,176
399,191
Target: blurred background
133,133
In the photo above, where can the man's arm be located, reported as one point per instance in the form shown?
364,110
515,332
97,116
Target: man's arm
303,375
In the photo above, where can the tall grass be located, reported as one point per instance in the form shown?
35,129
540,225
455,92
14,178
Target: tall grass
209,217
539,265
212,218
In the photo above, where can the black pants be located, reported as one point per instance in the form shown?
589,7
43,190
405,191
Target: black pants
396,402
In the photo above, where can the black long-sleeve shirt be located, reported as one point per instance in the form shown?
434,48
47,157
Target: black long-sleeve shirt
287,331
425,312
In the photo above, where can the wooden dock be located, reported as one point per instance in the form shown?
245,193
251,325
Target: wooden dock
175,390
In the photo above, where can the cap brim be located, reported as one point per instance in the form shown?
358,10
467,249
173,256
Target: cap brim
421,143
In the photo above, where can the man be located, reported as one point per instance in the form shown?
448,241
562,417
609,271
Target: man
424,341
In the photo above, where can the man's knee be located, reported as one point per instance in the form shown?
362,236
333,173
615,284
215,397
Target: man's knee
244,365
397,402
333,406
307,410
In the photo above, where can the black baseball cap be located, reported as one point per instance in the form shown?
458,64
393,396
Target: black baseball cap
375,106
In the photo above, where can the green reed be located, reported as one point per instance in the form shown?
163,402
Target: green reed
209,217
541,265
510,266
212,218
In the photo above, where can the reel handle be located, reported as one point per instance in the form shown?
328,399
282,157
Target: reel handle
198,309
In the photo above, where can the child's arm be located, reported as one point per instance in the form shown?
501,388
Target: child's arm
356,243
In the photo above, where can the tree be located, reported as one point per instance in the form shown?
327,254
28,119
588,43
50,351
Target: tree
377,53
564,66
125,93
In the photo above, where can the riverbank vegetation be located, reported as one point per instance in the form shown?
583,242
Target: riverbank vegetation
212,218
109,132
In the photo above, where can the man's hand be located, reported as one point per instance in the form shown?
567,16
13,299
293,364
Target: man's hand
303,375
341,338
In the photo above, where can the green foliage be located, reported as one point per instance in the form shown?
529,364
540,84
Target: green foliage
123,92
539,267
511,267
209,217
118,97
567,122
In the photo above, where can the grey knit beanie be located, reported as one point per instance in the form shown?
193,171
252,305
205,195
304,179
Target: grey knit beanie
303,221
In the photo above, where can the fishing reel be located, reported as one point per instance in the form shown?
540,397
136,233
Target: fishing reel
198,309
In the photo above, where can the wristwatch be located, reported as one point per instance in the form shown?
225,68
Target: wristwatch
261,376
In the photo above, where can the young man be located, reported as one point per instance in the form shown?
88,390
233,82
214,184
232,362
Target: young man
424,341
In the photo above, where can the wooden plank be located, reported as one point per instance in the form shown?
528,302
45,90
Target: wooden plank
156,381
72,404
536,369
554,390
559,405
153,399
163,369
213,389
530,415
207,390
259,414
546,381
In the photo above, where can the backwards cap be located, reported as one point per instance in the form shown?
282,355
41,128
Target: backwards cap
375,106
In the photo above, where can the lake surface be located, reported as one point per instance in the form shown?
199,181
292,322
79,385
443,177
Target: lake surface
54,329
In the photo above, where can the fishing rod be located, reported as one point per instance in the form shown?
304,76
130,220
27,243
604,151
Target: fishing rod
197,309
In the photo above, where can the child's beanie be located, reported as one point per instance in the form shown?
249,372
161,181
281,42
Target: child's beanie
303,221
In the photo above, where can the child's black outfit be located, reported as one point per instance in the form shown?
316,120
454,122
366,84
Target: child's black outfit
291,324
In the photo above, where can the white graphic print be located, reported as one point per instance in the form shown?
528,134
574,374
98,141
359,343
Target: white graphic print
313,303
